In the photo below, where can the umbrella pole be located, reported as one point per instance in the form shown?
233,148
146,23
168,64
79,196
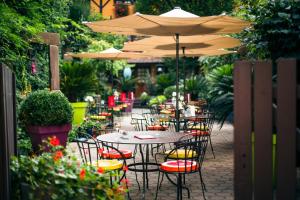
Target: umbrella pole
184,71
177,83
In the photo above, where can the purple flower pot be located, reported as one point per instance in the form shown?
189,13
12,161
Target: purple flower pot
40,133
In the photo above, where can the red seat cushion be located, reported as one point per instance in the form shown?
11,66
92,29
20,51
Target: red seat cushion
199,132
179,166
157,128
113,154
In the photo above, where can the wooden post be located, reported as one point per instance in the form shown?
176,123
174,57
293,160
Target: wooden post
242,131
286,126
263,130
7,128
54,67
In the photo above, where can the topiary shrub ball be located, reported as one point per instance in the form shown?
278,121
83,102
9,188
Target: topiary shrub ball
45,108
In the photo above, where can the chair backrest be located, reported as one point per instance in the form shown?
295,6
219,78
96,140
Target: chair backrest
88,148
149,117
189,150
201,125
138,122
91,150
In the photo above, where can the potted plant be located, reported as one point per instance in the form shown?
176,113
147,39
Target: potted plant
77,80
59,174
46,113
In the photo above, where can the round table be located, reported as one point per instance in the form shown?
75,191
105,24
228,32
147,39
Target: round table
143,139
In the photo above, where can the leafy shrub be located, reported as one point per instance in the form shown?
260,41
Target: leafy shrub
127,85
45,108
197,86
157,100
77,79
165,80
221,91
169,90
144,98
276,29
60,175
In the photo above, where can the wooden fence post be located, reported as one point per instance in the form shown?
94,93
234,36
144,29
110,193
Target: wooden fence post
286,129
7,128
242,131
263,130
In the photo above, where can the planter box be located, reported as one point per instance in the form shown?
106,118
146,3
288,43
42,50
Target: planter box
40,133
79,109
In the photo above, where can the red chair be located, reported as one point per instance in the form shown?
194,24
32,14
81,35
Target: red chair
123,97
111,101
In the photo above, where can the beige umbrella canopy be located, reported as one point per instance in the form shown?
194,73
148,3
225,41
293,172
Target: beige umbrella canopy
111,54
205,42
188,53
140,24
174,23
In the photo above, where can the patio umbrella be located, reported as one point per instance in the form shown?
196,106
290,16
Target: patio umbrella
174,23
205,42
111,54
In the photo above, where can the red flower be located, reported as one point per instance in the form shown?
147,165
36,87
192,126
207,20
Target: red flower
100,170
54,141
58,155
82,174
125,168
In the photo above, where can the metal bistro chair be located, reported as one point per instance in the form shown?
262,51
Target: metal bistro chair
200,126
138,122
186,158
100,155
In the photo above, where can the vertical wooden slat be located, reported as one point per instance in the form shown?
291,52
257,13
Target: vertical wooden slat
54,67
263,130
7,128
242,131
286,129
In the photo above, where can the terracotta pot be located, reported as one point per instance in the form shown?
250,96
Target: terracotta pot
40,133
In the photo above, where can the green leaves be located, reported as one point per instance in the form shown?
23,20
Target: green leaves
45,108
221,92
276,30
77,79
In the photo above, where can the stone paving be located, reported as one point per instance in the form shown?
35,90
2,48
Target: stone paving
217,173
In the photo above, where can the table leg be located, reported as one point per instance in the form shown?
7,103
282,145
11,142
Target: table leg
147,161
144,171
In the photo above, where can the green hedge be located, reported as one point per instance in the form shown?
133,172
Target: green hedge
45,108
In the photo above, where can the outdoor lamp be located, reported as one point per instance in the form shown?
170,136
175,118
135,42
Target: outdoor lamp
127,72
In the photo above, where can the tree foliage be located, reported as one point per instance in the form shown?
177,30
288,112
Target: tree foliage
276,29
198,7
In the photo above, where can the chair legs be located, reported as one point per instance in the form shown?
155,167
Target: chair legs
158,186
211,147
203,187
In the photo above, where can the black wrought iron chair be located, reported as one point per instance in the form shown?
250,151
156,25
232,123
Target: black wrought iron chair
201,126
102,156
186,158
138,122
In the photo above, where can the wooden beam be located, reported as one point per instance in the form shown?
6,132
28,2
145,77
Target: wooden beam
54,67
49,38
